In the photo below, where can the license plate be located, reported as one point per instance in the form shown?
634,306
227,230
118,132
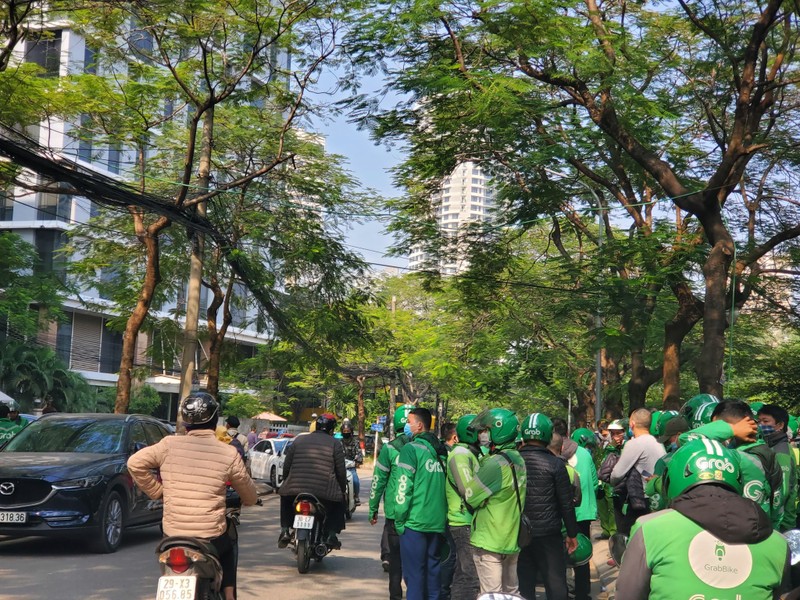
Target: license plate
303,522
13,517
173,587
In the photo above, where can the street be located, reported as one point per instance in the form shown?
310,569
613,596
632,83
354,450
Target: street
35,568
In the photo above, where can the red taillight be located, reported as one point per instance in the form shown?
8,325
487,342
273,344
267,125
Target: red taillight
178,561
304,507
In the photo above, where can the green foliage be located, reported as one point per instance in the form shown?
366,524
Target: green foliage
242,405
144,400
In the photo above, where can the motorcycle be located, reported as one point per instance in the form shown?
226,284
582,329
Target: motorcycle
350,497
309,539
190,567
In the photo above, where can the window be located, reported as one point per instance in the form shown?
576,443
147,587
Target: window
110,350
45,51
64,340
137,436
48,244
54,206
154,432
114,153
85,139
89,61
6,206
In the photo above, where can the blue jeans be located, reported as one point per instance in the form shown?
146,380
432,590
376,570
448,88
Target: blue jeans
421,564
356,482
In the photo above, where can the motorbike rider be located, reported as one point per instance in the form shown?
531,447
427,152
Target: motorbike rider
10,421
711,543
193,472
314,464
352,451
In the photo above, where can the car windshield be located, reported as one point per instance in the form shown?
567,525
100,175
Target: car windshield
279,445
69,435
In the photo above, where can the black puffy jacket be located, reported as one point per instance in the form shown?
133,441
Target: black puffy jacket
548,500
314,464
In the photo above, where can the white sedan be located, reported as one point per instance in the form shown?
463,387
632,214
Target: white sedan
266,460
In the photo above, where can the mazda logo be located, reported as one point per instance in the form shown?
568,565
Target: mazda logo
6,488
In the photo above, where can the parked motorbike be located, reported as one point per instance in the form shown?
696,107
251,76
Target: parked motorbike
190,567
310,539
350,496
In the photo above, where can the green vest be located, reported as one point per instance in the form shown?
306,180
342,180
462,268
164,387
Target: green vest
420,501
8,429
495,524
462,465
688,562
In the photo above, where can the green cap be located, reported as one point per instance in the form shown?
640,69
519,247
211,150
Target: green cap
663,419
695,402
401,416
583,552
464,433
654,417
537,427
501,423
702,415
699,462
584,437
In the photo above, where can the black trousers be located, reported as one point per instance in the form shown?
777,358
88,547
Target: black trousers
583,577
626,521
395,562
546,556
228,551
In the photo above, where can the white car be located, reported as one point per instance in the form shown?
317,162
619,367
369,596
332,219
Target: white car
266,460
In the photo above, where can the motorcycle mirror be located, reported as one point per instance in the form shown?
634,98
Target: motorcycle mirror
793,540
499,596
616,546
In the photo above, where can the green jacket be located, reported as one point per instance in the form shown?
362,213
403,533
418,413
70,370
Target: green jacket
420,501
762,487
583,463
495,523
462,464
8,428
382,484
654,488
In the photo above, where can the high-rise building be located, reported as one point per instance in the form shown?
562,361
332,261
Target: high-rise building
466,197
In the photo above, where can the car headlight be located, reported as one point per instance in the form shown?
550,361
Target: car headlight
78,484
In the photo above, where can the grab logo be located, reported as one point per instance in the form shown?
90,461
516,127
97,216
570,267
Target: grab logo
433,466
704,463
703,597
720,565
754,490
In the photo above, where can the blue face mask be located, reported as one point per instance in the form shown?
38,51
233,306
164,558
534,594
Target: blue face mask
629,433
407,430
766,430
672,447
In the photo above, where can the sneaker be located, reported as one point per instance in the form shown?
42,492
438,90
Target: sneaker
284,538
358,502
602,536
333,542
385,565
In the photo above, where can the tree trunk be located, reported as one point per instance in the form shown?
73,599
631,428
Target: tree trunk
612,401
641,379
715,270
361,412
216,337
690,311
149,237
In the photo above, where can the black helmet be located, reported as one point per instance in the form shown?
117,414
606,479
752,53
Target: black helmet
199,408
326,422
233,421
347,427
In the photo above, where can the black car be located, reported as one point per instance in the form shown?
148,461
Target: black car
67,474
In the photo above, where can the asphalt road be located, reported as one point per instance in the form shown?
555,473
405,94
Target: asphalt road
33,569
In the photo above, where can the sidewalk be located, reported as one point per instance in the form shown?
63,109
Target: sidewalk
604,577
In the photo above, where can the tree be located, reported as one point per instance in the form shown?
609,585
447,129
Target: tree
689,104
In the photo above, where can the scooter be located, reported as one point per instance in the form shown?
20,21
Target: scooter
350,497
309,539
190,567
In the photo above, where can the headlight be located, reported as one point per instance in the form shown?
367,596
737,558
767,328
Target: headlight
77,484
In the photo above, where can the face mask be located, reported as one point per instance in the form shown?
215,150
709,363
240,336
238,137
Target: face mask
672,447
347,436
484,439
766,430
407,430
629,433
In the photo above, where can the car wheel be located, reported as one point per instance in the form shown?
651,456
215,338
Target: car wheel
273,478
111,520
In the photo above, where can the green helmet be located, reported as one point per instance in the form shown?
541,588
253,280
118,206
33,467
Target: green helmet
695,402
791,427
501,423
537,427
654,417
584,437
401,416
702,461
663,419
702,415
583,552
13,406
464,433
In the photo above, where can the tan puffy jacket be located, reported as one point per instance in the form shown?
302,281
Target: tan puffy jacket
194,470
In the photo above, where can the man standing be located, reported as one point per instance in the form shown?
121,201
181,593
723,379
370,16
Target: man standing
252,437
548,503
385,486
712,543
462,465
638,460
496,494
772,421
314,464
421,507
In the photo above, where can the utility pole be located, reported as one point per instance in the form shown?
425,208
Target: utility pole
188,359
392,391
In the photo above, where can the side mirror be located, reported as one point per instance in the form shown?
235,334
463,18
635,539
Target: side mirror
616,546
